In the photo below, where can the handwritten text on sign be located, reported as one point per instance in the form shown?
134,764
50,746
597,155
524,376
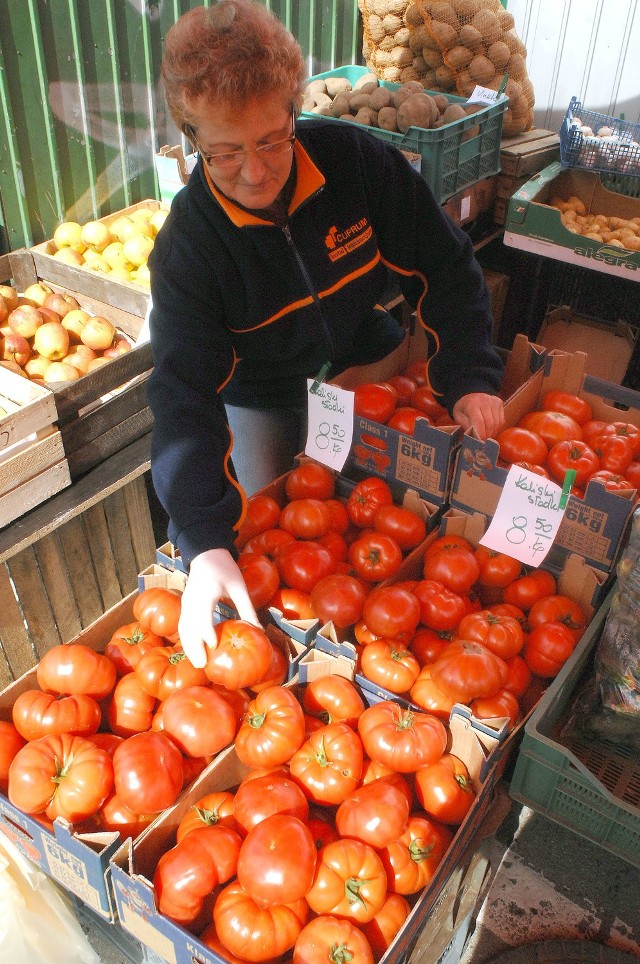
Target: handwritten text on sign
330,424
527,517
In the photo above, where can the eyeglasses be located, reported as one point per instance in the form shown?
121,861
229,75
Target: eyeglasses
233,160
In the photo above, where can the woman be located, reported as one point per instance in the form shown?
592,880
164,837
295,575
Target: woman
271,263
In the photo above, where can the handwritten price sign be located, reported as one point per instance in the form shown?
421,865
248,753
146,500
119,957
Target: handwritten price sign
330,424
527,517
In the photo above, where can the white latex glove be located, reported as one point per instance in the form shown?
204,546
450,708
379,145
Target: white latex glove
212,576
481,412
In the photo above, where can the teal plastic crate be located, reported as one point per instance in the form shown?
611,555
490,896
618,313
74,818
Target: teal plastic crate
449,164
590,786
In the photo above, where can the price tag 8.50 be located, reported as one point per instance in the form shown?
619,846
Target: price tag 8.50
330,424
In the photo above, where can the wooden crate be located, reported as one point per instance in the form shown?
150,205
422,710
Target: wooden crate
105,410
120,294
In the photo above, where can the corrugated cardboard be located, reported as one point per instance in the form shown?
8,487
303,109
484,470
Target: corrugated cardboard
607,345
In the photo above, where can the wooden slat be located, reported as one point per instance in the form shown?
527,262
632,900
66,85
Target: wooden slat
97,450
34,601
32,493
99,540
75,396
106,415
140,523
16,645
116,514
59,583
79,562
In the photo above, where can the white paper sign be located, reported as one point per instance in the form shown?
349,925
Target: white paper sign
527,517
483,95
330,424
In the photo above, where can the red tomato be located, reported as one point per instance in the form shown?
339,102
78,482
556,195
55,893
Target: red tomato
389,664
592,429
128,644
61,776
365,499
269,543
497,569
211,809
339,599
336,544
339,516
37,714
262,513
329,764
292,603
552,427
615,452
611,481
265,795
116,818
425,694
404,386
424,400
278,671
408,529
504,703
158,611
391,611
530,588
412,860
569,404
547,649
334,699
382,929
10,743
559,609
466,670
375,401
326,936
501,634
574,455
310,480
376,814
198,720
518,677
402,739
306,518
346,867
625,430
74,668
532,467
405,417
375,557
632,474
427,644
241,657
272,730
130,709
447,541
444,790
440,608
260,576
255,933
456,568
521,445
303,564
277,860
417,370
147,769
166,668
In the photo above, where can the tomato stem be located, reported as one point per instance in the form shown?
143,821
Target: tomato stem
352,890
340,954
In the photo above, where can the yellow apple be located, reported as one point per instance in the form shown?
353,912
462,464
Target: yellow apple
38,292
137,249
121,224
97,264
113,254
74,321
25,320
69,235
59,371
120,274
69,256
157,219
141,275
4,311
51,340
79,357
98,333
10,296
97,363
95,235
37,366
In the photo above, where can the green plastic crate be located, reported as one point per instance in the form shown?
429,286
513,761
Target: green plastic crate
592,786
449,164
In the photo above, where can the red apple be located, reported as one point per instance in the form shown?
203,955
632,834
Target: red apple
61,303
10,296
120,347
16,348
25,320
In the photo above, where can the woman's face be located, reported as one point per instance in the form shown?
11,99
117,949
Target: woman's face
253,178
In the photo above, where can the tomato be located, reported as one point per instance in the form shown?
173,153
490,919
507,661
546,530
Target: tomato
278,671
339,599
210,810
402,739
167,668
269,543
375,813
532,467
329,939
447,541
199,720
559,609
292,603
569,404
521,445
241,657
530,588
375,557
347,868
260,576
303,564
497,569
158,611
255,933
501,634
310,480
262,513
427,644
381,930
592,429
552,427
444,790
334,699
209,937
503,704
424,400
624,430
277,860
73,668
147,769
336,544
391,610
411,860
128,644
116,818
417,370
107,741
61,776
615,452
518,676
425,694
611,481
405,417
456,568
306,518
440,608
365,499
130,709
272,730
574,455
547,649
632,474
375,401
265,795
37,714
339,516
387,663
404,386
407,528
10,743
328,765
466,670
187,873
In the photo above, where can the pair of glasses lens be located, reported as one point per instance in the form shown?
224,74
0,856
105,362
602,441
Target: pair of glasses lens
237,158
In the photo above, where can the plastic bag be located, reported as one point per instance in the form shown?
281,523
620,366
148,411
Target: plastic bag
36,922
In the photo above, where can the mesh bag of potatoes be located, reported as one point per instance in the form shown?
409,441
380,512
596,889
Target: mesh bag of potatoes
386,40
465,43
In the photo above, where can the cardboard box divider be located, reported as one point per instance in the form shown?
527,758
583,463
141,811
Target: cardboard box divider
608,345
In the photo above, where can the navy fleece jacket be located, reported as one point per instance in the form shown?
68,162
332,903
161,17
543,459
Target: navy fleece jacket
245,311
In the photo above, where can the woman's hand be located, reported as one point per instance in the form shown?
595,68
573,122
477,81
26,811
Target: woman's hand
480,412
212,576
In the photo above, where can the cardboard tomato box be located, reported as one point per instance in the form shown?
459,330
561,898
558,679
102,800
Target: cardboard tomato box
594,526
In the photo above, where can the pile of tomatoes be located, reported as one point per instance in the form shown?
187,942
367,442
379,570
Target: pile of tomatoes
400,400
563,435
345,815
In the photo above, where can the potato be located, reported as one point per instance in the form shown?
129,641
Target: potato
471,37
366,79
441,102
399,96
444,34
366,116
467,9
418,110
514,43
429,79
412,15
506,21
323,111
391,24
498,53
433,58
401,56
381,97
488,24
444,12
367,88
414,87
357,101
392,74
375,28
316,87
409,73
401,37
445,77
308,103
420,65
453,112
340,105
481,69
388,119
335,85
460,56
322,100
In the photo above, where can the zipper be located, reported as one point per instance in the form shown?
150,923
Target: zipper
314,294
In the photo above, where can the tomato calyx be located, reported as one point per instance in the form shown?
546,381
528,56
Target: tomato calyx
404,720
352,890
207,816
418,851
256,720
340,954
174,658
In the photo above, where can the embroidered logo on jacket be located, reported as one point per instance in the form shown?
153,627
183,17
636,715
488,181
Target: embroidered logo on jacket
340,243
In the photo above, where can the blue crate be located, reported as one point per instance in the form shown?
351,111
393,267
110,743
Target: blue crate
618,161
